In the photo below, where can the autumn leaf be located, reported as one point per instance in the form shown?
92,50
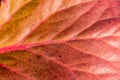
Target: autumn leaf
60,40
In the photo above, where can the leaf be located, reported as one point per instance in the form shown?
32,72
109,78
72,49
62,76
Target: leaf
8,7
60,40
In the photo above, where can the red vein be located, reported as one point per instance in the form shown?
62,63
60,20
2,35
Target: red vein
55,61
16,71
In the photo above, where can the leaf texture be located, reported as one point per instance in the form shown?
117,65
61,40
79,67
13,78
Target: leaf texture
60,40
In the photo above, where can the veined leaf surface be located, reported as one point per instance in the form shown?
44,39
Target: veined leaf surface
60,40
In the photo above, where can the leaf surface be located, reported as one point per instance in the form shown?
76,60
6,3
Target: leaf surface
60,40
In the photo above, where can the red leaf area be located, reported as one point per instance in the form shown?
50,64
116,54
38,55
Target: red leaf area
62,40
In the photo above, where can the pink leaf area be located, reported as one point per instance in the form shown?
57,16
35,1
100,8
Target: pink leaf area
60,40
